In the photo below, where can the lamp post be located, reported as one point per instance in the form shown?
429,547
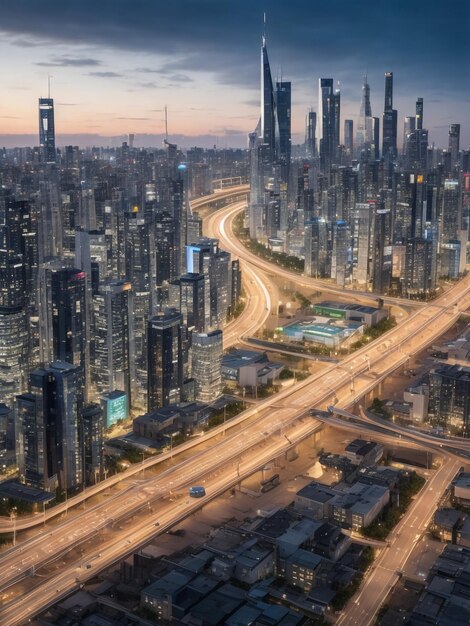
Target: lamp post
13,521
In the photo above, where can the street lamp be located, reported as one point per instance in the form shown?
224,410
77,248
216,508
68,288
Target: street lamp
13,521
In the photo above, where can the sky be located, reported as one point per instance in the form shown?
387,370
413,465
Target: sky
116,64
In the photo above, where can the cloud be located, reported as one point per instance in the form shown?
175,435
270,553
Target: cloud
136,119
24,42
67,104
166,74
105,74
149,70
69,62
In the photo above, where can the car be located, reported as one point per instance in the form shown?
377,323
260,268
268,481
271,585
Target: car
157,523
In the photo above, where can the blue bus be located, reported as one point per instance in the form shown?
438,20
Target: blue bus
197,492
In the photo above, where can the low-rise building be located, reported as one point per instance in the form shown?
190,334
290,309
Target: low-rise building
301,569
446,523
185,417
359,506
159,596
313,500
368,315
255,562
364,453
460,488
248,368
418,399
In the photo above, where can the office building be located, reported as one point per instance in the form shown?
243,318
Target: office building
165,359
93,441
340,265
283,127
192,300
454,143
328,122
15,296
113,346
310,140
449,398
49,428
389,121
420,280
206,365
349,135
47,130
364,124
317,245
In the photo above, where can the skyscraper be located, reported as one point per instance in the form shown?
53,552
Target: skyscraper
317,255
310,140
68,304
268,117
15,297
113,348
283,127
454,143
420,280
364,124
192,300
47,130
327,119
419,113
389,123
93,440
206,364
165,359
49,426
449,397
349,135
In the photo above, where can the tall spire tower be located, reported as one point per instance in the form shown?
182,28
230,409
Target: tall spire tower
364,125
267,100
46,126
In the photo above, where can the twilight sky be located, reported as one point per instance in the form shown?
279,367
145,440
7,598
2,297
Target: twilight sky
116,63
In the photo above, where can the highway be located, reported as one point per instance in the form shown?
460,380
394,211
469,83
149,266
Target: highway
227,464
342,383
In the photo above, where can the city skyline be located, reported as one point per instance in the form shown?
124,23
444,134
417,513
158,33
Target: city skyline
114,71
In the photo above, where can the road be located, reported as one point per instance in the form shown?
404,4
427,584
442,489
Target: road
362,609
225,467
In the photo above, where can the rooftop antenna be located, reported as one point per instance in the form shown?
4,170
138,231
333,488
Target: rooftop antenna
264,28
166,124
49,86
